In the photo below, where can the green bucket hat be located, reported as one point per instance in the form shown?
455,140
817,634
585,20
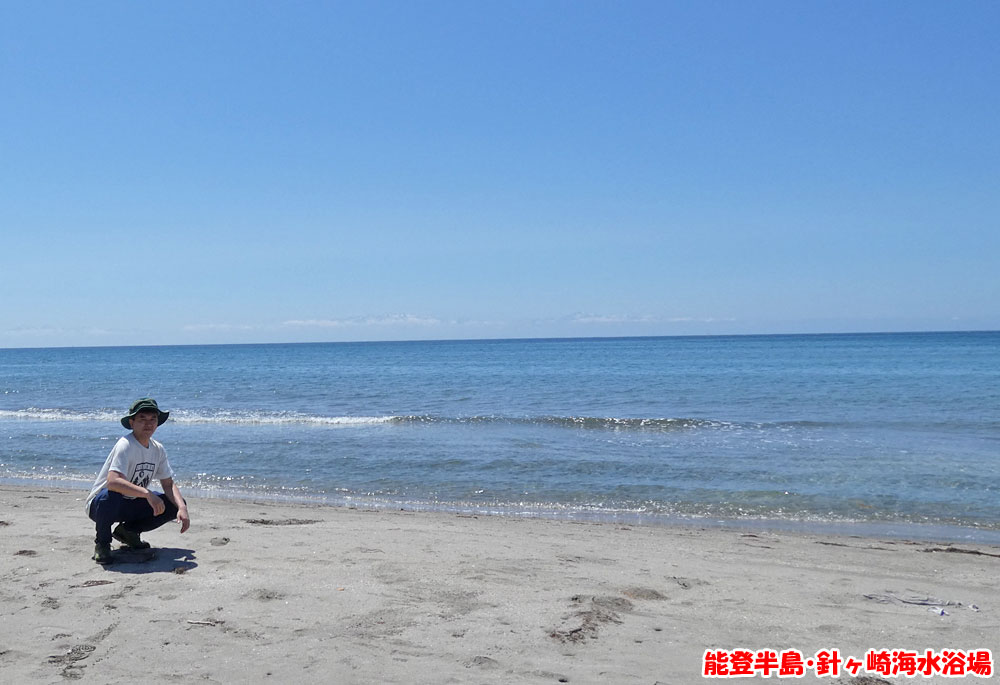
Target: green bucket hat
139,405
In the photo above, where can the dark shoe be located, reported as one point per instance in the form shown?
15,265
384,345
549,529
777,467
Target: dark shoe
128,538
102,553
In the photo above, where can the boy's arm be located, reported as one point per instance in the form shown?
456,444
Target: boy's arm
173,493
117,482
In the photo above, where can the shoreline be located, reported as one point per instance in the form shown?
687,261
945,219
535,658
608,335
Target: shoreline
260,590
896,530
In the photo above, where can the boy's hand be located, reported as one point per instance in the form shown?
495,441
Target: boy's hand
183,518
156,503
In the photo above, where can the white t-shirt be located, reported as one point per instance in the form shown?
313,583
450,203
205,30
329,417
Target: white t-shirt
140,465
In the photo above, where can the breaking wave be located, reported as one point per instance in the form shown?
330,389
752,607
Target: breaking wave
271,418
186,417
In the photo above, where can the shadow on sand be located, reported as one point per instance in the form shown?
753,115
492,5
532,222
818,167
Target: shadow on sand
154,560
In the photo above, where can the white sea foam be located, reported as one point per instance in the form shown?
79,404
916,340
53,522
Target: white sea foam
37,414
265,418
216,417
277,419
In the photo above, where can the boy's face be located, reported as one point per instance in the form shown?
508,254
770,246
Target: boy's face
144,424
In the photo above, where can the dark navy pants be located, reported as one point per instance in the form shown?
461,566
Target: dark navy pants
110,507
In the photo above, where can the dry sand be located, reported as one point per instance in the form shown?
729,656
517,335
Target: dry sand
261,592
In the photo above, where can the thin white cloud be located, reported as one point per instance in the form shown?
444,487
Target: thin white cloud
42,330
612,318
642,319
218,327
33,331
362,321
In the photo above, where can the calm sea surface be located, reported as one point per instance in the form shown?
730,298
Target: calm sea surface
889,432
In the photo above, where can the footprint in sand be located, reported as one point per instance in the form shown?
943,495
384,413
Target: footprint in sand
594,612
643,593
265,595
482,662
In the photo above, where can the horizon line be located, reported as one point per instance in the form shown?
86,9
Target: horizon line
513,339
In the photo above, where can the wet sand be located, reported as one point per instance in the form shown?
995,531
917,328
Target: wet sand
266,592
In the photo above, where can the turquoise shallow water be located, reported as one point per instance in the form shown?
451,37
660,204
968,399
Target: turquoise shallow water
882,430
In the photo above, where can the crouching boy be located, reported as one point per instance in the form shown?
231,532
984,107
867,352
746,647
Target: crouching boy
121,492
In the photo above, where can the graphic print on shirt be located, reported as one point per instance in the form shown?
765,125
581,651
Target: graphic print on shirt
143,473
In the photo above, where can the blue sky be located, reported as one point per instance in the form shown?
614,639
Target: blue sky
209,172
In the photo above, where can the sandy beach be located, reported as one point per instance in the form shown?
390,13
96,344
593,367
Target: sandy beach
266,592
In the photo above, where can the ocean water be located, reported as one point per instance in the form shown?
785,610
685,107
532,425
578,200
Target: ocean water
898,433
